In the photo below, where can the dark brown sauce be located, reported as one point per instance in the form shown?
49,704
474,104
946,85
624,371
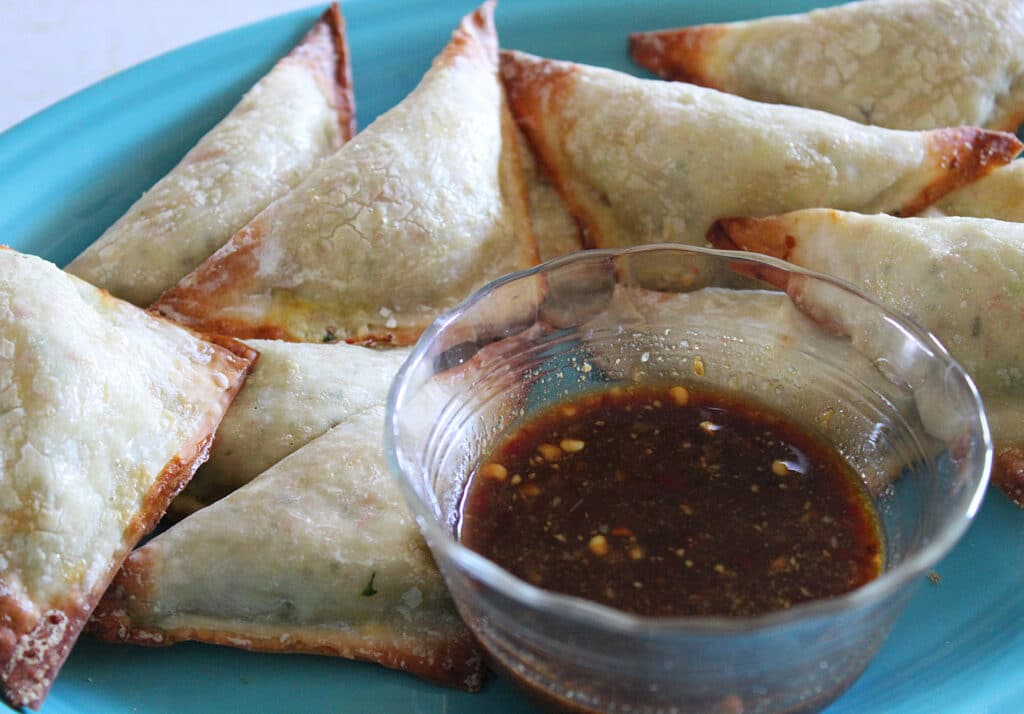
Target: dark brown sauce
671,501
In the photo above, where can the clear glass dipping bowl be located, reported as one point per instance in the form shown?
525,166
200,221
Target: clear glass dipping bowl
873,383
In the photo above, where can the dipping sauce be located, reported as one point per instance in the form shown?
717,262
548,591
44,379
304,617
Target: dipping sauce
670,501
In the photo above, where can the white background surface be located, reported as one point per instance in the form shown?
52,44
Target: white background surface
50,49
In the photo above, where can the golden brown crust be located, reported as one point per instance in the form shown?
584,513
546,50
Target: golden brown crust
456,663
762,235
35,652
33,647
337,66
541,97
758,235
679,54
209,298
966,154
768,236
1008,473
475,35
325,50
533,87
185,302
34,656
465,669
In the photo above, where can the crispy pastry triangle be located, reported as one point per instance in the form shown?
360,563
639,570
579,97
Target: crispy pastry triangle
917,64
642,161
422,207
296,392
300,112
961,278
105,411
318,554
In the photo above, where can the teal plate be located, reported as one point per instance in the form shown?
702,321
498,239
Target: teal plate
70,171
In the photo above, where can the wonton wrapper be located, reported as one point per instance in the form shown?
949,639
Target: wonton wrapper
318,554
407,219
105,411
553,226
961,278
999,195
917,64
296,392
644,161
297,114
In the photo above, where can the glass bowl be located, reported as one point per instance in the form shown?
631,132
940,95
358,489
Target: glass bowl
878,387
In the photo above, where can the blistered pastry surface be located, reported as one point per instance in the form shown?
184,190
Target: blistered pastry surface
320,548
280,130
295,393
904,65
405,220
644,161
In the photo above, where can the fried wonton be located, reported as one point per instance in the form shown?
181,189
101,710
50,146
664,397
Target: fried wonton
961,278
318,554
902,64
645,161
296,392
408,218
999,195
299,113
105,411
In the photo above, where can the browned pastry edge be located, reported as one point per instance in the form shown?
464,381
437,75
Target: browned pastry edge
188,301
688,54
476,33
341,64
458,663
766,236
966,154
33,647
534,87
678,54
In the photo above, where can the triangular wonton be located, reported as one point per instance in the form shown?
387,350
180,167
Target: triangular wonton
418,210
961,278
917,64
105,411
297,114
644,161
318,554
296,392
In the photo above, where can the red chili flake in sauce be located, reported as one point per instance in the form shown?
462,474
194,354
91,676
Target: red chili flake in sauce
664,506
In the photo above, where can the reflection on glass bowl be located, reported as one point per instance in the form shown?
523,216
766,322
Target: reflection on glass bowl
879,388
